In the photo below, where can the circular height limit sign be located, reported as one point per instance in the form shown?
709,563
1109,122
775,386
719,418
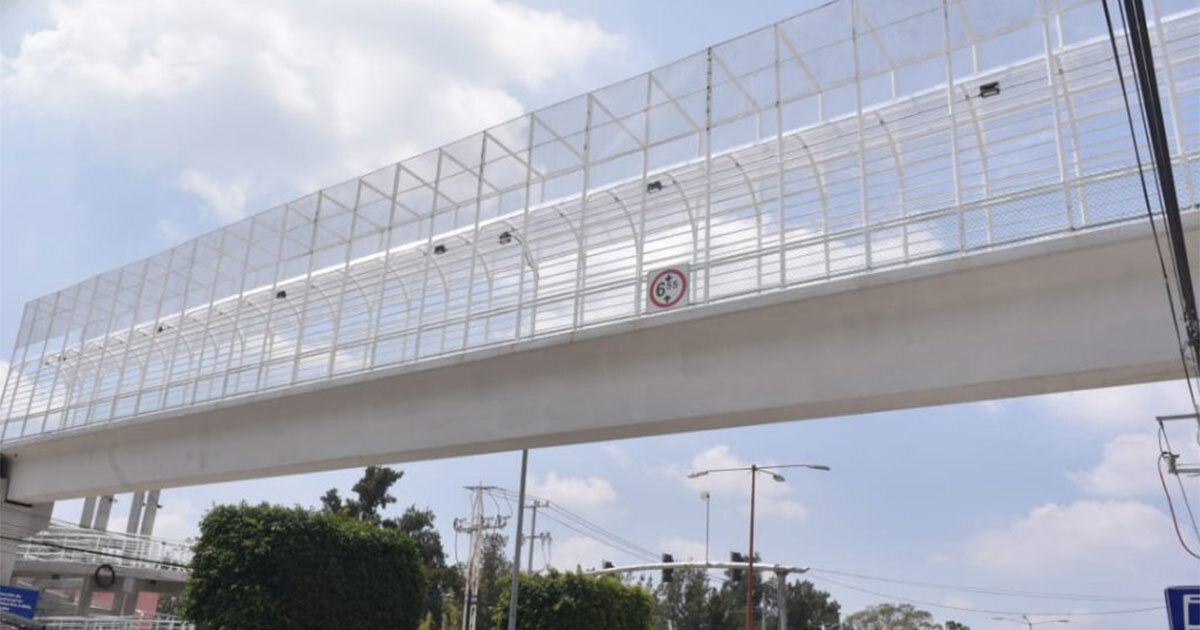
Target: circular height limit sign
667,288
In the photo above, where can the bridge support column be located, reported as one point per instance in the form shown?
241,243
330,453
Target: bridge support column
83,605
103,511
149,513
17,520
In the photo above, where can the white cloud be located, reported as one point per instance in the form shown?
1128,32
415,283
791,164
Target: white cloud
683,549
570,553
574,493
226,202
1126,470
619,455
245,103
1126,408
1064,540
773,498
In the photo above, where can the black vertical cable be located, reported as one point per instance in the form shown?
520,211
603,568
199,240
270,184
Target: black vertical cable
1137,154
1139,37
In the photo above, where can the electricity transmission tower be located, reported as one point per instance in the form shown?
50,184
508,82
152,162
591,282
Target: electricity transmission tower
534,536
477,526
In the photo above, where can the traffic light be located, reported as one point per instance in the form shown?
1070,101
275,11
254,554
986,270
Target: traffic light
735,574
668,574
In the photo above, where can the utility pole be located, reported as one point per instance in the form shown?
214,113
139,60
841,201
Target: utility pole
533,533
477,527
515,590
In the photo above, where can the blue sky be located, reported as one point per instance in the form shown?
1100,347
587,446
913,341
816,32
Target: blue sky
127,128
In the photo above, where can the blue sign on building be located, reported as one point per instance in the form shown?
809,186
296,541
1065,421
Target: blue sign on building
21,602
1183,607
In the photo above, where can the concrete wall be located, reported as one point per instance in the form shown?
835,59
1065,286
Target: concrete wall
1074,312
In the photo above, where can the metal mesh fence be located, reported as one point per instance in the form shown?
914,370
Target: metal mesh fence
861,135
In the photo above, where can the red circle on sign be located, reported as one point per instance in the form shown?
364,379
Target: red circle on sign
682,292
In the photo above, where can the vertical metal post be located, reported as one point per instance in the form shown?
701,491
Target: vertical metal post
750,558
962,223
862,142
516,567
781,597
433,205
532,535
707,514
708,101
581,237
525,257
1053,85
475,246
781,215
383,282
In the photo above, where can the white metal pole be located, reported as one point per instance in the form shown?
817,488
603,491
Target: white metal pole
781,598
516,567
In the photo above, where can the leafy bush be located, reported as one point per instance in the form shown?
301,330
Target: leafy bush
266,567
555,600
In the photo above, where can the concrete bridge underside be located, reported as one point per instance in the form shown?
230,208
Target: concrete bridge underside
1081,311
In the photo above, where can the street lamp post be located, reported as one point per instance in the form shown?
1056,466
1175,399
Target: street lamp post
1030,624
754,470
707,498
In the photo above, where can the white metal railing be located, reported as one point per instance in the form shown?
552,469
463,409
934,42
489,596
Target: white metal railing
156,622
67,543
848,139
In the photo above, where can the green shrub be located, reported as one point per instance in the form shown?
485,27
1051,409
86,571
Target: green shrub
554,601
267,567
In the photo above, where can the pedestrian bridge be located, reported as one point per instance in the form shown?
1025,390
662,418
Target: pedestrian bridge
872,205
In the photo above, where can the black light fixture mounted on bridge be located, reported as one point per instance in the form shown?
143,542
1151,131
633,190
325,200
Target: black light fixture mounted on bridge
989,89
654,186
280,294
439,249
505,238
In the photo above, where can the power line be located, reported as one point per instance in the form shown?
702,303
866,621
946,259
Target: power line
598,532
1171,506
1112,36
972,589
986,611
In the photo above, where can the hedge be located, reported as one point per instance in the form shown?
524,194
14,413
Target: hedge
267,567
555,600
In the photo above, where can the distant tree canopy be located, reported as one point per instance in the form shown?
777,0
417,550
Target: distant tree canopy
264,567
689,602
372,491
554,601
896,617
373,496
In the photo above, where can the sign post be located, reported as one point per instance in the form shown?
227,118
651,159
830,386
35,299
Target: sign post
668,287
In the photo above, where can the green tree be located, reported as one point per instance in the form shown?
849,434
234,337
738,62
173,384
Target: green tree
954,625
445,582
808,607
264,567
372,491
683,602
374,496
891,617
554,601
